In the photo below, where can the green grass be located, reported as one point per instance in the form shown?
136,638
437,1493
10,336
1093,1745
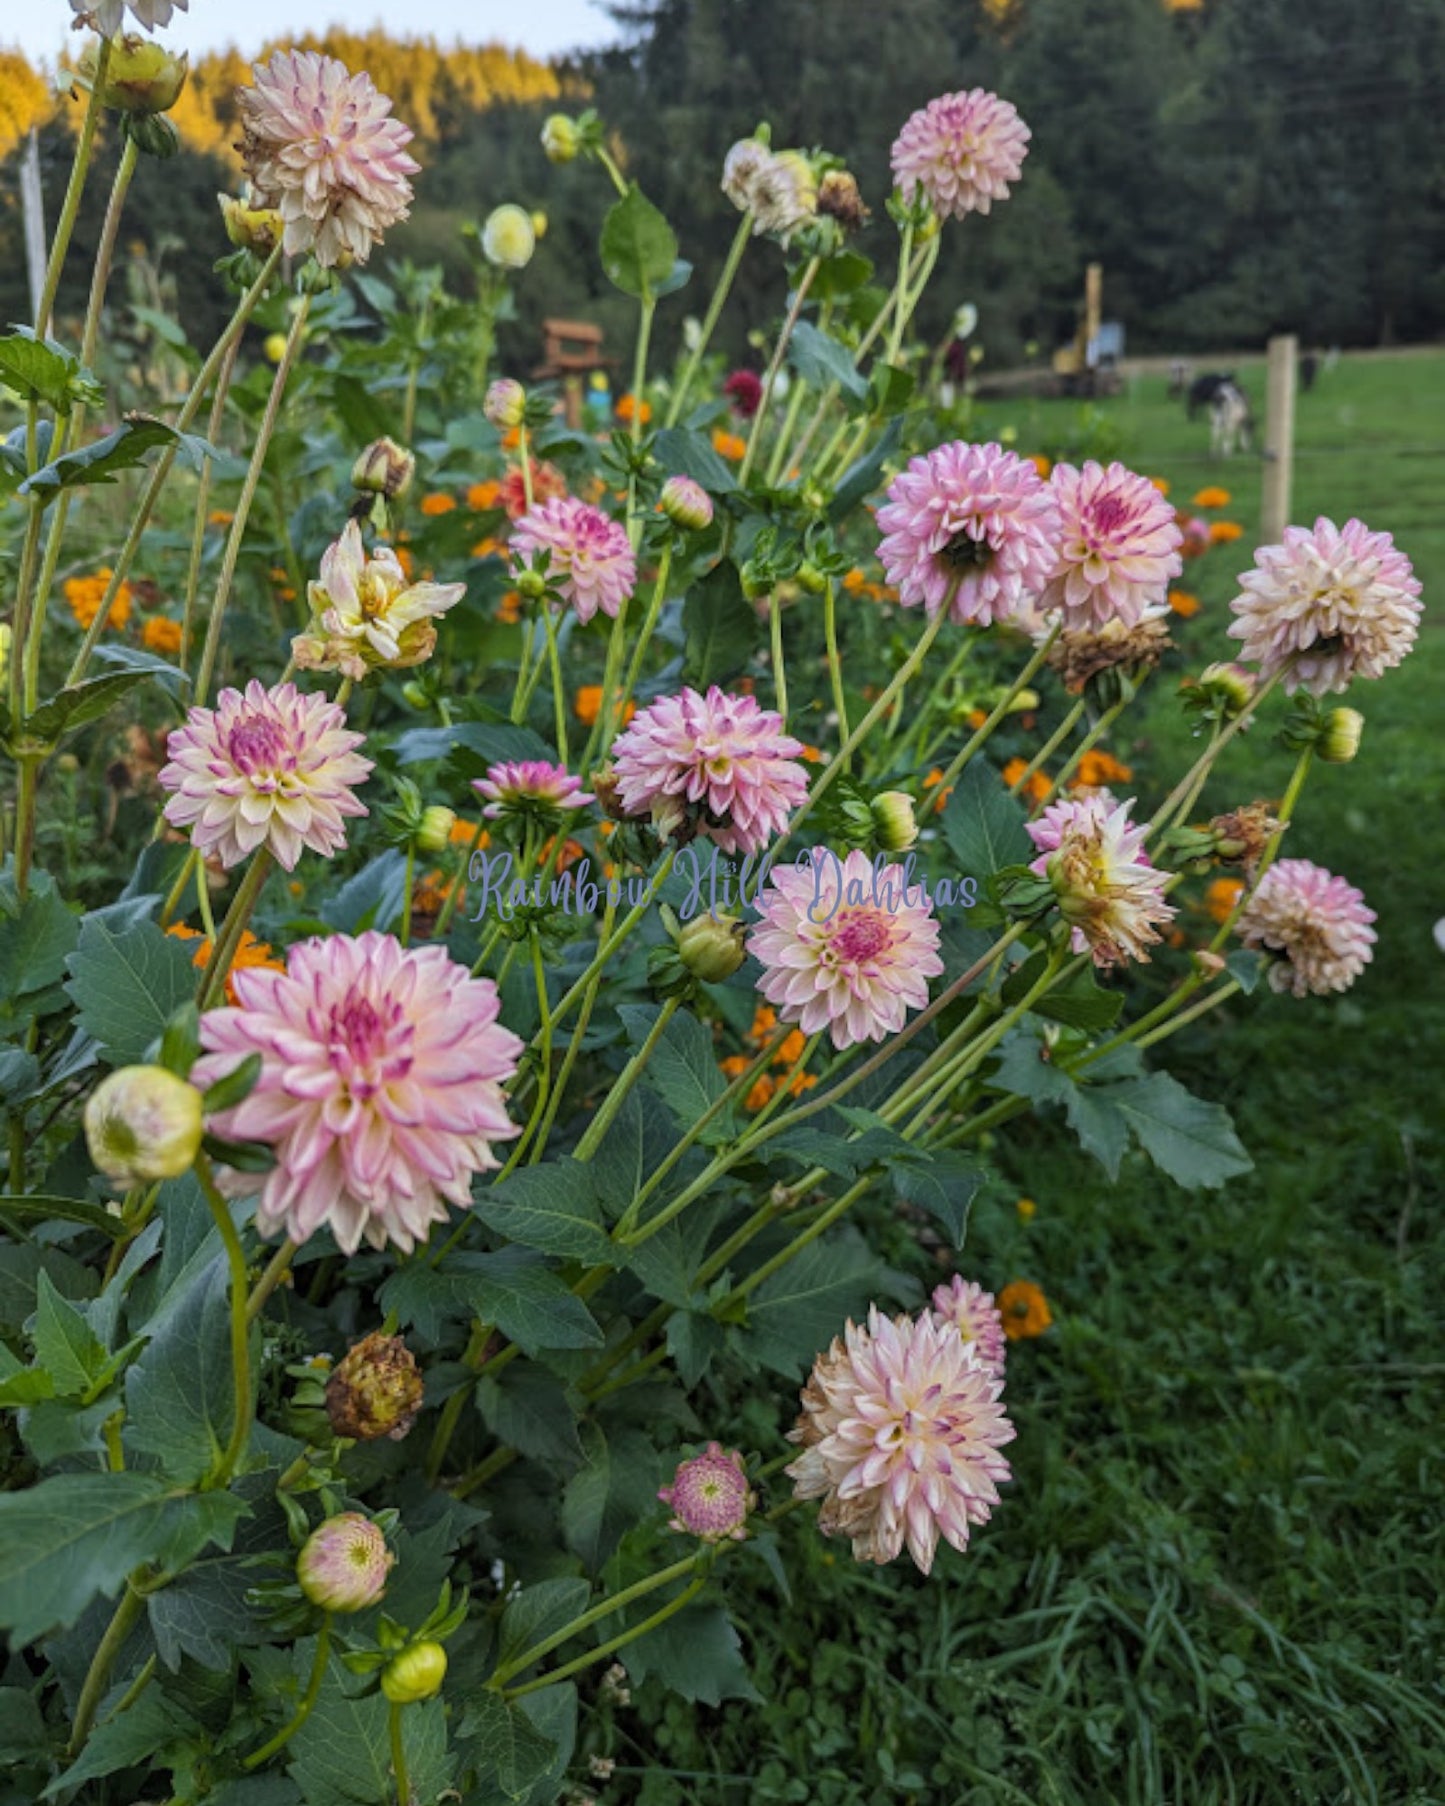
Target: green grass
1216,1576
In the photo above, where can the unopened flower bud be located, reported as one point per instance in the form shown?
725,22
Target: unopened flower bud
894,822
1242,836
1229,684
531,583
686,504
141,76
1339,738
275,346
509,238
539,223
375,1390
711,947
605,790
811,579
384,468
710,1496
143,1123
561,139
435,832
838,197
416,1674
415,695
1207,964
344,1563
255,229
505,405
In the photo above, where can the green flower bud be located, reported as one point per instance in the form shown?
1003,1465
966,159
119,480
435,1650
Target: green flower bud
141,76
509,238
416,1674
894,822
561,140
384,468
1229,686
1339,738
506,404
711,947
811,579
686,504
531,584
435,830
143,1123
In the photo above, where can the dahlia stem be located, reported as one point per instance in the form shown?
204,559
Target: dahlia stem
224,947
622,1086
782,1086
614,1602
1192,780
398,1756
776,364
1050,746
123,1621
70,207
1205,1004
240,1329
711,318
1271,852
685,1597
780,676
276,1271
1001,708
835,664
649,624
308,1700
160,470
449,905
819,1226
408,886
1087,744
610,943
246,498
647,307
203,499
526,464
901,678
559,696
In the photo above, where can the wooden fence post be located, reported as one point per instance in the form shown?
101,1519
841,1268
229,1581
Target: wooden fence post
1278,437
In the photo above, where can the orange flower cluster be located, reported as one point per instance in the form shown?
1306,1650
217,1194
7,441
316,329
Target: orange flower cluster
935,778
1184,603
483,497
162,635
1024,1309
1221,897
587,705
857,583
729,445
251,952
1098,768
627,408
85,595
789,1052
438,503
1225,532
1211,496
1036,789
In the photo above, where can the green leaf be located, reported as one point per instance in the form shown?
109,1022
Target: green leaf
35,937
614,1487
123,449
69,1538
1024,1069
515,1290
65,1344
539,1611
341,1756
528,1410
803,1306
821,361
693,1342
19,1076
683,1069
698,1654
841,274
683,451
515,1750
639,248
1245,966
127,979
137,1737
45,1209
721,627
945,1186
1191,1140
22,1727
861,478
1102,1128
984,823
1080,1002
552,1207
180,1402
41,370
79,705
889,391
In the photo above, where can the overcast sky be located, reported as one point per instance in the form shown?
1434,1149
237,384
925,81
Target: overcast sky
39,27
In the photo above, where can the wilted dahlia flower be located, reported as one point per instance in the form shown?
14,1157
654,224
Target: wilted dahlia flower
268,768
843,949
962,150
320,146
1080,654
976,1317
1108,892
365,612
742,166
971,515
779,188
1318,923
900,1433
717,764
106,16
591,565
1118,546
381,1087
529,786
1342,602
710,1496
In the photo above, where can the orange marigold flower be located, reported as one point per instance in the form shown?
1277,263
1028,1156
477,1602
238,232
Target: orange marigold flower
490,547
1184,602
587,704
463,833
1037,787
854,581
405,560
1161,484
735,1065
813,755
161,634
1024,1309
790,1048
251,952
219,517
509,609
570,854
1042,465
1225,532
760,1094
1097,768
484,496
931,782
1221,896
437,503
512,438
765,1020
1211,496
976,719
85,595
729,445
627,407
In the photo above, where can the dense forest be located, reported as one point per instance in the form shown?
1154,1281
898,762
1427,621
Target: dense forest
1237,166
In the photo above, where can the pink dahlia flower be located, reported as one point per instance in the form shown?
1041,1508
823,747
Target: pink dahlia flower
1108,891
106,16
1118,546
530,786
844,946
962,150
591,563
1341,602
900,1433
268,768
381,1086
1318,923
716,763
974,522
976,1317
710,1496
320,147
344,1563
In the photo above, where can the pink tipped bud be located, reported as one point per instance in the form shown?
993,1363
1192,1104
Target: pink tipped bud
686,504
505,405
344,1563
710,1496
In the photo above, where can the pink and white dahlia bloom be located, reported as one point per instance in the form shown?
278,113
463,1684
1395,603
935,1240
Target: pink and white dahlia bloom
1316,922
710,1496
976,1317
366,612
520,787
107,16
1108,891
1341,602
269,768
973,522
844,946
591,563
962,150
900,1433
716,763
382,1070
1118,546
320,147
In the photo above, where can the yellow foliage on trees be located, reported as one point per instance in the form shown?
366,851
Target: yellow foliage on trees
25,100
